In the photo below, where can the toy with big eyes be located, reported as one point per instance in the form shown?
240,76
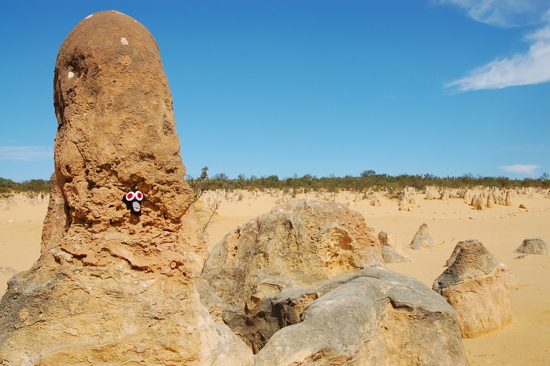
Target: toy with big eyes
132,200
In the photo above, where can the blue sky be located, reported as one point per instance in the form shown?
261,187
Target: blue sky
316,87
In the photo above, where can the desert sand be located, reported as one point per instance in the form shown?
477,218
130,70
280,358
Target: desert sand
501,229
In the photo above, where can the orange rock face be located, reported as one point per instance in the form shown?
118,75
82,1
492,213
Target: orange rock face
116,133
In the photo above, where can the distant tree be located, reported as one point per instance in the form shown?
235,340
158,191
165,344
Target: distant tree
6,185
204,173
367,173
221,176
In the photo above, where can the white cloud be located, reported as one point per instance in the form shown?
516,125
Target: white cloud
521,69
27,153
527,169
527,68
504,13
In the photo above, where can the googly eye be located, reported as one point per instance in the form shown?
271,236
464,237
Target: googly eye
139,195
130,196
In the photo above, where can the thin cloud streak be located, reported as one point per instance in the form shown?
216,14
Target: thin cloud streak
521,69
527,169
26,153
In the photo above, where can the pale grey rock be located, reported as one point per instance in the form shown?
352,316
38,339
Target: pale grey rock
423,239
536,246
373,317
392,251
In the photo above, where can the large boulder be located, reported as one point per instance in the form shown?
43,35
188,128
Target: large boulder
302,242
392,251
114,281
304,285
537,246
423,239
475,286
372,317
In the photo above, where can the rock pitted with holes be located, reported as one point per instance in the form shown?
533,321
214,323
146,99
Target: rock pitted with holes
112,287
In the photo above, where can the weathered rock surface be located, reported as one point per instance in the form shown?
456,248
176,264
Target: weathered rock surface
301,242
93,315
372,317
536,246
423,239
111,287
508,278
491,200
116,133
474,285
429,194
290,284
479,204
392,251
508,200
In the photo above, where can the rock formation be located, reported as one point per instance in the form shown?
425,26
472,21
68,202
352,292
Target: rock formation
392,251
479,204
474,285
404,205
429,194
537,246
372,317
113,286
423,239
290,284
508,200
491,200
301,242
509,280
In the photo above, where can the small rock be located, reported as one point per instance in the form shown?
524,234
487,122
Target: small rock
423,239
537,246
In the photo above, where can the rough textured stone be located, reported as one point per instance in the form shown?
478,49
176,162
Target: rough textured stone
508,278
392,251
301,242
479,204
474,285
423,239
537,246
429,194
111,287
508,200
372,317
491,200
116,133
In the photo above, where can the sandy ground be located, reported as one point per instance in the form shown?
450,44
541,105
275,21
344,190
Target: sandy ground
501,229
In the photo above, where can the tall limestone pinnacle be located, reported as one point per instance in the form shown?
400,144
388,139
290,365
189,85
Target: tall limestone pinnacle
114,282
116,133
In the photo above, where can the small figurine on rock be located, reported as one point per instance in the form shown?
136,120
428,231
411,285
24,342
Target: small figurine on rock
132,200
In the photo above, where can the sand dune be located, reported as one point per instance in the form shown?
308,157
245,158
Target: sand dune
501,229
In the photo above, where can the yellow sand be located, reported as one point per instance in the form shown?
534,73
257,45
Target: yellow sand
501,229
